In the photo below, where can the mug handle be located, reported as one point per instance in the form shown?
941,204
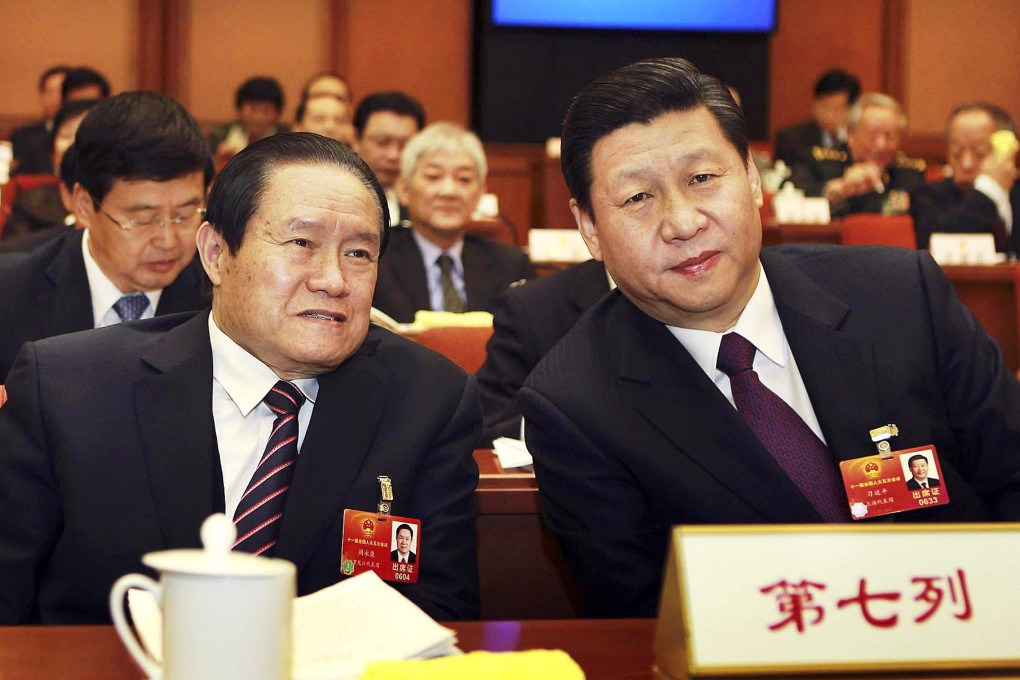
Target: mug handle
127,636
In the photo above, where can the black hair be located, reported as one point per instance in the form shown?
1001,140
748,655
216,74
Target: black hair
69,167
237,192
404,526
81,77
838,80
51,71
396,102
917,456
260,89
139,136
299,114
640,93
1000,116
68,111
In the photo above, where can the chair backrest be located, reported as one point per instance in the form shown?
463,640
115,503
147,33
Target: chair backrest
19,183
498,229
463,346
867,229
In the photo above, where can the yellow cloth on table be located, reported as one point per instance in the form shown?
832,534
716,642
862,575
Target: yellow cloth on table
426,318
535,664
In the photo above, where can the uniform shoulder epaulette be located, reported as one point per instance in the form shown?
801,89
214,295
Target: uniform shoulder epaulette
911,163
825,153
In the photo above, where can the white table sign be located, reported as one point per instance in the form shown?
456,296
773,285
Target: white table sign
753,600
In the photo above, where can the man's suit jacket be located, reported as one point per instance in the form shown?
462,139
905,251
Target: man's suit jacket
395,555
489,269
32,149
527,321
630,436
943,207
913,484
793,143
108,451
46,293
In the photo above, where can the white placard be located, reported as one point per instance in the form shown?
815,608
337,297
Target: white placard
789,599
557,245
964,249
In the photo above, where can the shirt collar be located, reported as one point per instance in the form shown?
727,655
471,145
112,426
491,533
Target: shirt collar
759,323
245,379
102,290
430,251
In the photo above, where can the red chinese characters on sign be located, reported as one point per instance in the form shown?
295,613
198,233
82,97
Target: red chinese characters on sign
800,609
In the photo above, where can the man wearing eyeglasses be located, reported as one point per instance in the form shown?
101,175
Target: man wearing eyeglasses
143,167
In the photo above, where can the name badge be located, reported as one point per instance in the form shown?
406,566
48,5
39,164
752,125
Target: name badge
891,482
385,544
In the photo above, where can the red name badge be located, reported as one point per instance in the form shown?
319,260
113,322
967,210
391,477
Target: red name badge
894,482
385,544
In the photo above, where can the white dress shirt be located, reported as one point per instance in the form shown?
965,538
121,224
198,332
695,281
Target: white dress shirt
773,362
243,422
999,196
430,252
104,293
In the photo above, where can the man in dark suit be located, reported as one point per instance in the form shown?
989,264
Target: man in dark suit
435,264
142,171
981,195
405,538
384,123
120,441
871,175
835,91
31,143
527,321
723,384
918,464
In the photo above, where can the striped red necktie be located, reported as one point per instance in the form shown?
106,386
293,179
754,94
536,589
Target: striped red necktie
258,514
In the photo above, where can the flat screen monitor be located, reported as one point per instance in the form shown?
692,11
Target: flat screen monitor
729,16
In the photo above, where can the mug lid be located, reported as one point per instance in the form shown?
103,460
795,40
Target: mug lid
216,558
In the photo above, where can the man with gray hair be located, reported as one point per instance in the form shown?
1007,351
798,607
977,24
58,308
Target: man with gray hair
872,176
282,407
435,264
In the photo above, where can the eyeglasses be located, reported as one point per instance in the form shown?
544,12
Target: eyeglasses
185,219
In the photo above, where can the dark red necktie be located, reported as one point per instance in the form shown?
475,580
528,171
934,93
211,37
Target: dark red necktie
258,514
801,454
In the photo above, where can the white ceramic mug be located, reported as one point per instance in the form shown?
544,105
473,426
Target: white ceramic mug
225,615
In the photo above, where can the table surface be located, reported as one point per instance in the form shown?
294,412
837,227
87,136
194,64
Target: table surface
609,649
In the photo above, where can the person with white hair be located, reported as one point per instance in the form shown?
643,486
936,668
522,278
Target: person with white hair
435,264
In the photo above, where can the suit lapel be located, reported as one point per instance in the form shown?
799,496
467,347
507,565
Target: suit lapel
174,412
340,434
65,306
679,400
838,369
478,283
409,270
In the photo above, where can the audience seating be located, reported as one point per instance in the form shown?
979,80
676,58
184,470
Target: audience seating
464,346
499,229
865,229
19,183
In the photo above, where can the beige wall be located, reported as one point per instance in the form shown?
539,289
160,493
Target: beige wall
40,33
931,53
229,42
960,51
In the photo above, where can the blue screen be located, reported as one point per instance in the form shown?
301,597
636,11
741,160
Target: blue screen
673,15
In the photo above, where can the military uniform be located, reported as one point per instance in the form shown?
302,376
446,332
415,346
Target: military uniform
825,164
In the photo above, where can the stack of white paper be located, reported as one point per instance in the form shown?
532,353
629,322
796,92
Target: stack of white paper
512,453
338,630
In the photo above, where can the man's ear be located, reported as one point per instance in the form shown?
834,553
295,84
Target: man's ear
754,177
212,250
84,209
586,225
401,187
